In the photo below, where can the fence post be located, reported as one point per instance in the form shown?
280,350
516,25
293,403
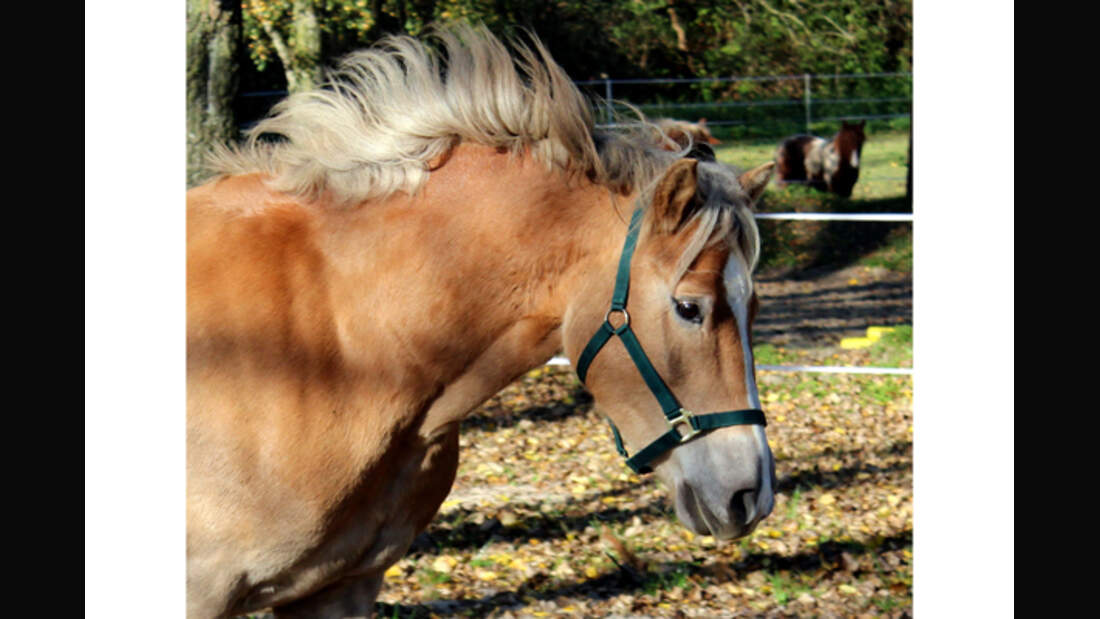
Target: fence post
806,98
607,97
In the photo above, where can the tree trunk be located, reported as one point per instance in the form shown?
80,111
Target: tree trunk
213,36
305,43
681,36
300,51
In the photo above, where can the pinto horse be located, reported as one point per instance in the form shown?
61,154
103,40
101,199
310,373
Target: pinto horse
826,165
422,234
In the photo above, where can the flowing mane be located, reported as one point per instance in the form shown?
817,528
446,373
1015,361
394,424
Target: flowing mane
388,114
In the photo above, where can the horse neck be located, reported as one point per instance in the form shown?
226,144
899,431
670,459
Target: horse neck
467,282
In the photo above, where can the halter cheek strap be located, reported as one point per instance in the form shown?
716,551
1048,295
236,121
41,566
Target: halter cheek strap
683,425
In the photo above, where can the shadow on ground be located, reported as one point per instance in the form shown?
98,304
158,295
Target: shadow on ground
818,564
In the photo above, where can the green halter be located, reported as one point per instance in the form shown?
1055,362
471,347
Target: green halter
676,415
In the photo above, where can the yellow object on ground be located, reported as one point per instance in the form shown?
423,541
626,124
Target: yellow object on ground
873,334
876,332
856,342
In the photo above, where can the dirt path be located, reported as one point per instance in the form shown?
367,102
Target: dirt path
819,309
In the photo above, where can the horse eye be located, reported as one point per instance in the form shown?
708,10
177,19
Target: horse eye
689,311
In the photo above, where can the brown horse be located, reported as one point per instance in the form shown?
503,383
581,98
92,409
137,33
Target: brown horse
826,165
420,237
684,133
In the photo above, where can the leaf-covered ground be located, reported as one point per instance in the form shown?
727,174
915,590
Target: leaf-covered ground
545,519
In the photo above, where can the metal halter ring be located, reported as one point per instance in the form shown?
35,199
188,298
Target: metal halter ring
626,319
683,416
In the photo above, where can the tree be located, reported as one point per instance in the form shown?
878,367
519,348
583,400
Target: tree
306,34
290,28
213,38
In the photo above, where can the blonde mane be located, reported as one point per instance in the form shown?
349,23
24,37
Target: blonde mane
386,114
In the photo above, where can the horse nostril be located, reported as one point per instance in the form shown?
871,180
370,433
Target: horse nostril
743,506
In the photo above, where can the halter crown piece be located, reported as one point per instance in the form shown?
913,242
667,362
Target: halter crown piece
677,417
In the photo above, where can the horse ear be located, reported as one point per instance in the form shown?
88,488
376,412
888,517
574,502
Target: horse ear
755,180
674,197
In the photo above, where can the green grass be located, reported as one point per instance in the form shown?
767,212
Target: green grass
769,354
888,604
885,390
677,576
429,577
792,504
896,254
784,587
894,348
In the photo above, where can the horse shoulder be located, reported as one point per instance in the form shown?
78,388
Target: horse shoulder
255,277
290,437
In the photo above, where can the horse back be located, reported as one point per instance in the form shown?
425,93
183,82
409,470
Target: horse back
795,158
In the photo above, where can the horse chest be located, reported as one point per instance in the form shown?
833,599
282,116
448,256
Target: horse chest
392,502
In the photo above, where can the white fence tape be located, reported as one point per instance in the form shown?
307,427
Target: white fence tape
827,369
838,216
835,369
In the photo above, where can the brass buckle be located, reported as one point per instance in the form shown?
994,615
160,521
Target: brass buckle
683,416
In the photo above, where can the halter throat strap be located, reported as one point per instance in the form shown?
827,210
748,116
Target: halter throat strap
683,425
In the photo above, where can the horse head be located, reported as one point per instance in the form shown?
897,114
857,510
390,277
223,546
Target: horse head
683,306
842,158
849,142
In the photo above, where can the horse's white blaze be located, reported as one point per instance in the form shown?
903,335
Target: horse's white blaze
855,159
738,282
739,292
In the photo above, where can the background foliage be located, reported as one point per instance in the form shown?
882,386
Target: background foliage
631,38
594,39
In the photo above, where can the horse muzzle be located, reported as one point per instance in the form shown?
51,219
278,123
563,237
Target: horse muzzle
727,503
731,519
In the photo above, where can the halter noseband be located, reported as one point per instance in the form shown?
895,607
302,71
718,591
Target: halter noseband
675,415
